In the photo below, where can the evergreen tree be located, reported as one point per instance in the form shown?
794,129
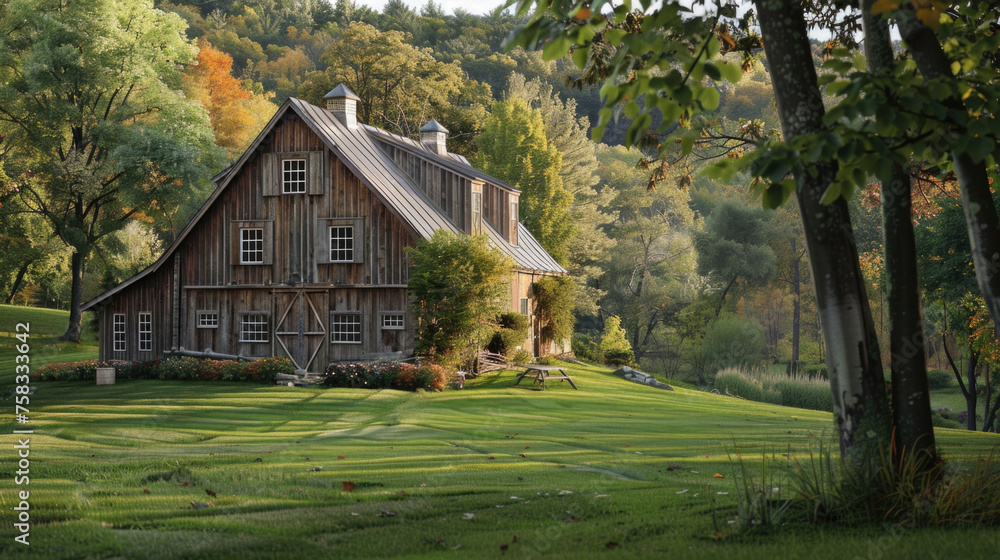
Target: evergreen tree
513,147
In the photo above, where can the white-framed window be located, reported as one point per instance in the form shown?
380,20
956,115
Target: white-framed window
118,332
393,320
145,331
345,328
293,176
208,320
341,243
253,327
251,245
477,211
524,306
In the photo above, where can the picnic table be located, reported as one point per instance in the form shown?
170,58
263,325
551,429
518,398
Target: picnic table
540,374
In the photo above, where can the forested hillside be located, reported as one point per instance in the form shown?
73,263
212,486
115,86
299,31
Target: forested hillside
699,274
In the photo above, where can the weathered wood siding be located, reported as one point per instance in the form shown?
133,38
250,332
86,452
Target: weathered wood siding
296,245
153,294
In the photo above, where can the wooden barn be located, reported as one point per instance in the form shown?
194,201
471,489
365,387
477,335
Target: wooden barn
299,251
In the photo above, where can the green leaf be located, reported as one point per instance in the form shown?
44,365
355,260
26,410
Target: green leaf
776,194
634,132
709,98
731,71
614,36
980,147
580,57
631,109
712,71
556,48
832,193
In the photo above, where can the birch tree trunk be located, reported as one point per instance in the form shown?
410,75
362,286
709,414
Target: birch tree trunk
911,405
856,379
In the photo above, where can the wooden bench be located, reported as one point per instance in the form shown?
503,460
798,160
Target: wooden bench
540,374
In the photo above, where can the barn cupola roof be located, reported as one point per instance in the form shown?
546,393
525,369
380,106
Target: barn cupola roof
435,137
343,103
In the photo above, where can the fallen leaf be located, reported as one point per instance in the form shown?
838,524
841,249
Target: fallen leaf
145,490
674,468
503,549
718,475
515,539
401,492
611,544
491,457
210,493
341,457
572,520
527,447
185,484
348,486
628,445
523,455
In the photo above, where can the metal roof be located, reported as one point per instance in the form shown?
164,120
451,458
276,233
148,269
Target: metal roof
341,91
433,126
452,162
528,253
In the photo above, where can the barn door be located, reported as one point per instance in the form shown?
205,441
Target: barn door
300,330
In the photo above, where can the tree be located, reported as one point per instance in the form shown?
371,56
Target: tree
211,83
513,147
458,285
554,307
649,275
90,98
401,86
659,59
614,345
734,247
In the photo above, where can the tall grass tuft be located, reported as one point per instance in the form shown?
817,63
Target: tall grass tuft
762,385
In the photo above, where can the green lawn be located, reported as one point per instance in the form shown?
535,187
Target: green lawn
435,474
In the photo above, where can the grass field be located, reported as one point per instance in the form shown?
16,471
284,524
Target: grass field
434,474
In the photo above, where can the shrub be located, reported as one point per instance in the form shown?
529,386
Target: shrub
512,333
585,348
431,377
622,357
940,420
613,338
729,382
817,370
761,385
70,371
554,297
386,375
521,358
185,368
732,341
801,394
940,379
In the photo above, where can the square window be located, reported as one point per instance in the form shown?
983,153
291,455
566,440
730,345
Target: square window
253,327
345,328
342,244
208,320
251,245
392,321
118,332
293,176
145,332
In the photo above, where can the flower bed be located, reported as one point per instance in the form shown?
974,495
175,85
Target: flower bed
385,375
264,370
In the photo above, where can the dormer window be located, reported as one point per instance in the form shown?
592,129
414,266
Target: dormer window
293,176
513,223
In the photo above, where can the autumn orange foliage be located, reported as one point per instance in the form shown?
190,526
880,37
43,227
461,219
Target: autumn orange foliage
212,83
